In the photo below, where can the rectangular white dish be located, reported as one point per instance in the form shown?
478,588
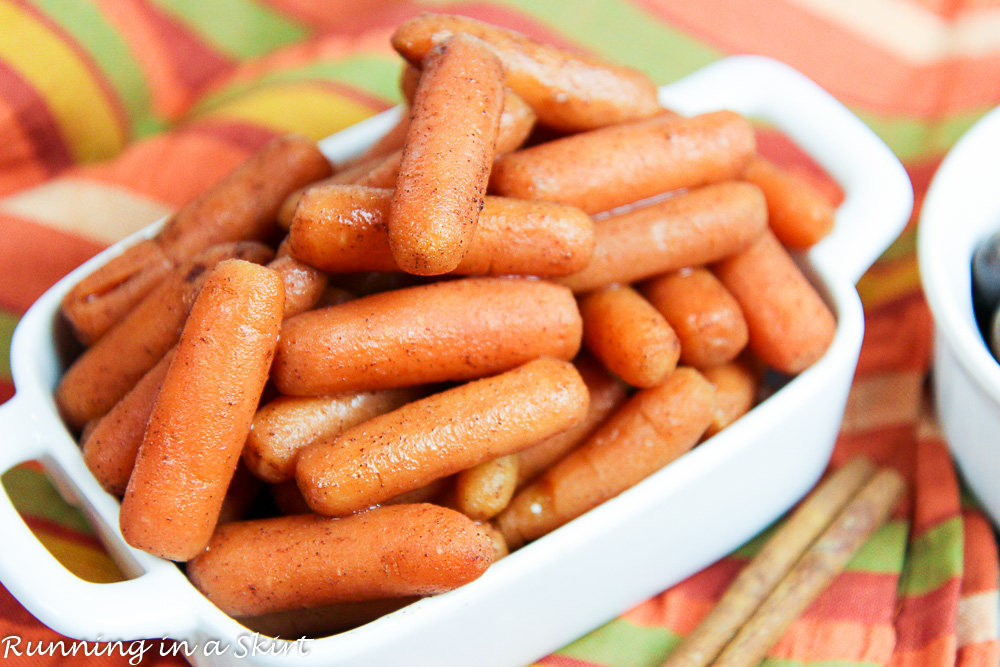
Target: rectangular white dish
582,575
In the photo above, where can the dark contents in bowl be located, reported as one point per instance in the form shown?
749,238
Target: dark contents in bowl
986,291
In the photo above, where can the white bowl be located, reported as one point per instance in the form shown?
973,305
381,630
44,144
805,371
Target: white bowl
961,209
556,589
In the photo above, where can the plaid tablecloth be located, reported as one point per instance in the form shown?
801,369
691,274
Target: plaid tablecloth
115,112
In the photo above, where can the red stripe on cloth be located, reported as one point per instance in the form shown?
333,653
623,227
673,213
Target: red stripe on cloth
878,80
868,598
937,495
33,258
898,336
350,19
6,391
47,527
88,62
19,165
982,569
32,115
925,618
881,446
566,661
683,606
244,136
195,62
174,168
986,654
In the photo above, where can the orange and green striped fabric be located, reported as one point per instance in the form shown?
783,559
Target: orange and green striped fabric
115,112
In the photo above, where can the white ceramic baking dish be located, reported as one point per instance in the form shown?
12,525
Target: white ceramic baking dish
961,209
582,575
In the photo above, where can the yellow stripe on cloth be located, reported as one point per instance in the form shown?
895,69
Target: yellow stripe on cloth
86,117
102,212
309,109
88,563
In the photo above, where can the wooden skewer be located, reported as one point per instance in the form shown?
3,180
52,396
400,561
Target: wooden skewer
772,563
820,565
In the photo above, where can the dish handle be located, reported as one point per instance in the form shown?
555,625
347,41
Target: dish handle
878,195
54,595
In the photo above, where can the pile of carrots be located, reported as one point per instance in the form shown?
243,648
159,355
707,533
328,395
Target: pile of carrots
392,345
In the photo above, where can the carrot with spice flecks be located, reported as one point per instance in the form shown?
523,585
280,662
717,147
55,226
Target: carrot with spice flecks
736,385
344,229
629,335
421,335
242,206
483,490
288,424
568,91
203,412
607,393
789,325
623,164
109,449
441,435
447,157
297,562
653,428
756,581
707,319
105,372
816,570
799,215
689,229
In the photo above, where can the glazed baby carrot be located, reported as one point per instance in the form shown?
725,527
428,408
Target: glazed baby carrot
735,392
245,204
798,213
447,157
652,429
95,303
455,330
568,91
286,425
483,490
706,317
440,435
516,122
622,164
343,228
790,326
629,335
105,372
297,562
202,414
607,393
687,230
304,285
109,449
242,206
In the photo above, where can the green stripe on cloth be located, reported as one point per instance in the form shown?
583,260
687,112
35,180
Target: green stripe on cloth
662,51
372,74
84,21
34,495
7,323
912,139
934,558
621,643
240,28
884,552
